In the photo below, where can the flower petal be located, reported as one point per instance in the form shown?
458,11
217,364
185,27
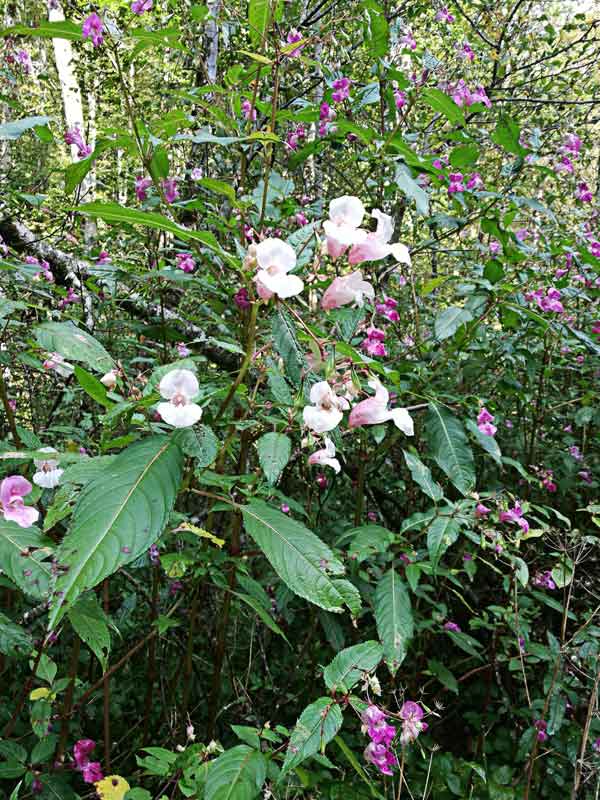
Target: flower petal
348,209
321,420
281,284
48,479
179,381
275,253
180,416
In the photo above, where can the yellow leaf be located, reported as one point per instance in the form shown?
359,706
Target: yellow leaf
187,526
114,787
39,694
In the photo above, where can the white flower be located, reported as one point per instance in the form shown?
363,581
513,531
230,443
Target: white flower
48,472
179,387
343,226
275,258
326,456
56,362
326,413
110,379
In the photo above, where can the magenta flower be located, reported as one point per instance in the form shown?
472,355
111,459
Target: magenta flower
596,745
575,453
452,627
388,309
475,181
374,343
241,298
301,218
484,422
103,258
284,508
293,37
73,136
381,757
583,193
413,724
170,189
12,491
515,515
467,52
409,41
481,510
139,7
248,110
185,262
93,28
443,15
90,770
595,249
182,350
564,165
295,137
585,475
24,60
341,89
572,145
400,99
456,183
141,185
544,580
541,727
494,247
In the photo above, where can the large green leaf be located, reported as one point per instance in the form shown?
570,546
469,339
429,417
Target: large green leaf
367,540
259,13
302,561
21,553
274,450
237,774
489,443
14,640
449,446
73,344
17,127
200,443
449,320
286,344
442,533
378,33
421,474
507,134
445,105
90,623
113,212
61,29
394,618
117,517
348,667
318,724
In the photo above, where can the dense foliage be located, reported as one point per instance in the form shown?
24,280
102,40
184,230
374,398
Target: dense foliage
299,355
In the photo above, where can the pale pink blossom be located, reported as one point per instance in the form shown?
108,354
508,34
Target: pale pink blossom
48,472
326,456
179,387
374,411
12,491
376,245
342,229
326,413
350,289
275,259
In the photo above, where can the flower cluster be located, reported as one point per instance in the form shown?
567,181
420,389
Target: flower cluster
485,423
388,309
141,186
382,735
546,299
463,96
544,580
374,343
93,28
515,514
326,117
91,771
74,136
341,90
185,262
248,110
139,7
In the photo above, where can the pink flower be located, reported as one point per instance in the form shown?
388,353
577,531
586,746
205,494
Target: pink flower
481,510
475,181
376,245
140,6
585,475
572,144
596,328
583,193
341,89
541,727
467,52
515,515
90,770
596,745
456,183
326,456
170,189
196,174
182,350
443,15
248,111
301,218
326,413
388,309
381,757
484,422
93,28
413,724
275,259
595,249
374,411
73,136
141,185
400,99
185,262
12,491
295,137
24,60
293,37
342,229
494,247
409,41
241,298
103,258
575,453
57,363
373,344
479,95
452,627
351,289
564,165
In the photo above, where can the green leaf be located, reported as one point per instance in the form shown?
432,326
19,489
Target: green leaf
262,613
367,540
61,29
89,621
117,517
219,187
394,618
259,14
302,561
349,666
21,551
113,212
421,474
507,134
76,172
17,127
318,724
237,774
464,156
409,186
73,344
274,451
489,443
449,320
200,443
14,640
445,105
286,344
92,386
449,446
443,675
377,30
441,534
